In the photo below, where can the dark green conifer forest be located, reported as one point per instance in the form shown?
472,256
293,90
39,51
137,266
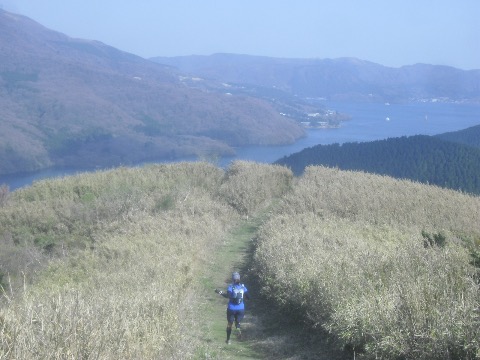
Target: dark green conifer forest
420,158
469,136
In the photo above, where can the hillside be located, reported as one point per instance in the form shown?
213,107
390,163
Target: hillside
420,158
81,103
343,79
121,264
469,136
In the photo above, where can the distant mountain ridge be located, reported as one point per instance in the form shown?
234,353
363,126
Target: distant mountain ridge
342,79
80,103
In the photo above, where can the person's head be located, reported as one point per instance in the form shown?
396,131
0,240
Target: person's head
236,277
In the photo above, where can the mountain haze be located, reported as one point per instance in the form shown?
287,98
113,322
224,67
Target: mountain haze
342,79
81,103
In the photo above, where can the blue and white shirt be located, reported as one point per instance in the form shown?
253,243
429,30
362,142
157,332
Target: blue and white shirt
236,294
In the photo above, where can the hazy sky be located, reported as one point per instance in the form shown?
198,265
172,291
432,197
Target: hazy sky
388,32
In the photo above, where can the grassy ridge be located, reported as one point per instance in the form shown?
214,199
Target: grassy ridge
112,264
353,254
106,265
130,293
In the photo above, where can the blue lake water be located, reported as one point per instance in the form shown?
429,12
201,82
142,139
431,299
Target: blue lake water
376,122
369,122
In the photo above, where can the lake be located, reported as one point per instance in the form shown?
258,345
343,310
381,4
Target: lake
369,122
376,122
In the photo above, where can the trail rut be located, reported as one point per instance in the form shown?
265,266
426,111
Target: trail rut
266,332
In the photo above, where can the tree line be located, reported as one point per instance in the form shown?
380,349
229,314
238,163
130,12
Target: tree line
469,136
420,158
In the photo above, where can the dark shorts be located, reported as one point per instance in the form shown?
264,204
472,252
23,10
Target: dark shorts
235,315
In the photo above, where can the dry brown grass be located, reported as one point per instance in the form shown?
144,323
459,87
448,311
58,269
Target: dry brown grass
118,257
131,293
106,265
251,185
346,253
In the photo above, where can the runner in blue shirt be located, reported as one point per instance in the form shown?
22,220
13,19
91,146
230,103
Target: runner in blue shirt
235,294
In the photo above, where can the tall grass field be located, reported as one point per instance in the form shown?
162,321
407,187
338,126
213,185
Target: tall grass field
387,267
111,265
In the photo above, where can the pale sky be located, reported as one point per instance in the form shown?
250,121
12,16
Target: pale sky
388,32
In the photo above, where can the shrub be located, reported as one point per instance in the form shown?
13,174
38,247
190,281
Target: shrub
438,239
4,193
3,284
249,185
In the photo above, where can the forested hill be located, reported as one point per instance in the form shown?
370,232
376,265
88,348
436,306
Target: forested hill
469,136
420,158
79,103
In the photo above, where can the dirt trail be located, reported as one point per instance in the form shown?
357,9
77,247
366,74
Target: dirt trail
266,334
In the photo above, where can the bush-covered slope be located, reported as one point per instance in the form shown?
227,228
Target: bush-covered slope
388,267
110,264
420,158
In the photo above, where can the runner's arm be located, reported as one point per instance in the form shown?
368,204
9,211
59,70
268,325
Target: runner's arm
221,292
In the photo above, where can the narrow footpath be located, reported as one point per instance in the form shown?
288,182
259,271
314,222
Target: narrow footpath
266,334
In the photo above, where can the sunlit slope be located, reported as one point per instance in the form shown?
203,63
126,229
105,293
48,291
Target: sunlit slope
385,266
110,264
107,265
